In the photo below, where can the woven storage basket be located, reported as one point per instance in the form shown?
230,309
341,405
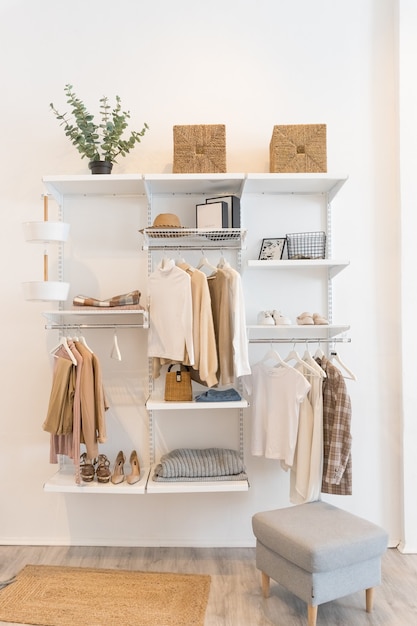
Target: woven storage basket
199,149
310,245
298,148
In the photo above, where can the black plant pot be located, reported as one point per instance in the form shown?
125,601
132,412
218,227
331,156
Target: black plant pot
100,167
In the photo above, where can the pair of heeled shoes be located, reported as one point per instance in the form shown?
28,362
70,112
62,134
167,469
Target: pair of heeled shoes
118,475
100,468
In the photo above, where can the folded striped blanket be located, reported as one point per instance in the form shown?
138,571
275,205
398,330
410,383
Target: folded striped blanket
189,464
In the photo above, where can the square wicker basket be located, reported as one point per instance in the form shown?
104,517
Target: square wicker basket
199,149
298,148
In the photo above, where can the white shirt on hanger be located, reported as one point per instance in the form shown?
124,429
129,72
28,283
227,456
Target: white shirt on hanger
171,315
277,395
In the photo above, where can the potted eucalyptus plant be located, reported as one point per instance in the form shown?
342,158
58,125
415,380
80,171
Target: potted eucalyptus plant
100,142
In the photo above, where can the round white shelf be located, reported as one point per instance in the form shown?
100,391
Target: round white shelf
45,232
46,291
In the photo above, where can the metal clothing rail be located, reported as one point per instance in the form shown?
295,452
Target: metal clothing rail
302,340
199,247
84,326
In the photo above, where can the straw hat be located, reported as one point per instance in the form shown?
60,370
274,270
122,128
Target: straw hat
165,220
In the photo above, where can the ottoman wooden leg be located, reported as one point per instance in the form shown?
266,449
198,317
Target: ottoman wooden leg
312,615
265,585
369,599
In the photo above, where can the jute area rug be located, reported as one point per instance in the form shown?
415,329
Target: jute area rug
66,596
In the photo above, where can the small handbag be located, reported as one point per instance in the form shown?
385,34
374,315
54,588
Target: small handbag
178,384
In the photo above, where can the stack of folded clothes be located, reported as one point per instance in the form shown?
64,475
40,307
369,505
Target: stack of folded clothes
189,464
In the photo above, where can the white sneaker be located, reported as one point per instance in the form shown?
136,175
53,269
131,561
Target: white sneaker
280,319
265,318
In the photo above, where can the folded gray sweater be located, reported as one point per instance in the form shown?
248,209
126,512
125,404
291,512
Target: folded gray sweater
186,464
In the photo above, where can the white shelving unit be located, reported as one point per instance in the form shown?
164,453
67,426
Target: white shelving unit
161,190
309,188
192,188
62,189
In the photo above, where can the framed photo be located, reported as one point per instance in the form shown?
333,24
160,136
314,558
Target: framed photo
272,249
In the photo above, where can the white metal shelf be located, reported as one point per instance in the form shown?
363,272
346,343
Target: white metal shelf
308,184
193,238
159,404
206,486
98,185
296,332
199,184
96,318
63,481
334,266
194,184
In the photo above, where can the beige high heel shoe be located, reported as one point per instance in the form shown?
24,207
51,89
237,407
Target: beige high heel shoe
134,476
118,475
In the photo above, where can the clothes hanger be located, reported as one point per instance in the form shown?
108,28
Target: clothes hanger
180,260
273,355
165,260
294,356
319,354
334,356
82,340
223,262
308,358
64,343
115,353
204,262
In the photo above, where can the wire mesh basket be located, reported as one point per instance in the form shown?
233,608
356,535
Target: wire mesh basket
306,245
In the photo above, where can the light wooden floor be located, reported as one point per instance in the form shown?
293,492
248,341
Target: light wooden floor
235,595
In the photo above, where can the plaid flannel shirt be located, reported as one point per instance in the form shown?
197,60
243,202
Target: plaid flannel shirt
337,439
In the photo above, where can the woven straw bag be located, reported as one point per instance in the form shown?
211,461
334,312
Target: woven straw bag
178,384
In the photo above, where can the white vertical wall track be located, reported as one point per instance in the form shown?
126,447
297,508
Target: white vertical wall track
329,256
151,434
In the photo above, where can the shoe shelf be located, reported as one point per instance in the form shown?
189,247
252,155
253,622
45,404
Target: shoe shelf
296,332
332,265
199,486
91,317
63,481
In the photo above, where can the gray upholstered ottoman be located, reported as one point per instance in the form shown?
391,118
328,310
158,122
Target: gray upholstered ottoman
319,553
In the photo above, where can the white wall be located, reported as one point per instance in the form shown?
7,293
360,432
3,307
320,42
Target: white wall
408,163
249,64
